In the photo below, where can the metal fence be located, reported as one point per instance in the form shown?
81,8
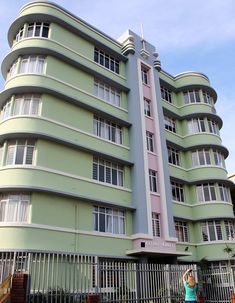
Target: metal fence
218,284
72,278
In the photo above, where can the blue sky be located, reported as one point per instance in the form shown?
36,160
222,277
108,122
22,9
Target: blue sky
189,35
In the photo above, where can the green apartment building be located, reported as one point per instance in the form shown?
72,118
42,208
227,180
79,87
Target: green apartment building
104,153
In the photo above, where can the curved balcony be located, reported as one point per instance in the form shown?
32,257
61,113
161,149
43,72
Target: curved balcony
191,110
201,139
199,110
23,236
206,173
40,127
46,84
34,178
196,140
44,46
212,210
51,12
213,251
191,79
200,211
182,210
199,173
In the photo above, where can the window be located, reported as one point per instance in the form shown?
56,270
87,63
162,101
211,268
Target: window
14,207
166,94
108,172
106,60
147,107
177,191
1,153
206,192
218,158
20,152
32,64
213,127
144,76
201,157
107,130
207,98
229,228
111,278
13,69
170,124
107,93
156,225
182,232
196,126
6,110
38,29
108,220
19,35
224,193
149,139
26,105
191,96
173,156
211,231
153,180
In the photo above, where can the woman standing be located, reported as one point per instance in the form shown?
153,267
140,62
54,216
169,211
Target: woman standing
190,287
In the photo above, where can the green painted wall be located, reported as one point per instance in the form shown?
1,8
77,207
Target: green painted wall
55,219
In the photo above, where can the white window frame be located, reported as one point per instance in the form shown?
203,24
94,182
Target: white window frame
170,124
107,61
182,231
108,172
13,69
211,231
38,29
107,93
1,154
6,110
20,34
166,94
173,156
206,192
177,192
191,96
207,98
34,64
229,229
147,107
107,130
108,220
20,152
213,127
156,226
27,104
145,75
224,193
218,158
150,141
14,207
196,126
201,157
153,181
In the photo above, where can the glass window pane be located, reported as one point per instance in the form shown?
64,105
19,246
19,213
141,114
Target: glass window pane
102,222
19,154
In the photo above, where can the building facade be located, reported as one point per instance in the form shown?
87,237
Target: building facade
103,152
